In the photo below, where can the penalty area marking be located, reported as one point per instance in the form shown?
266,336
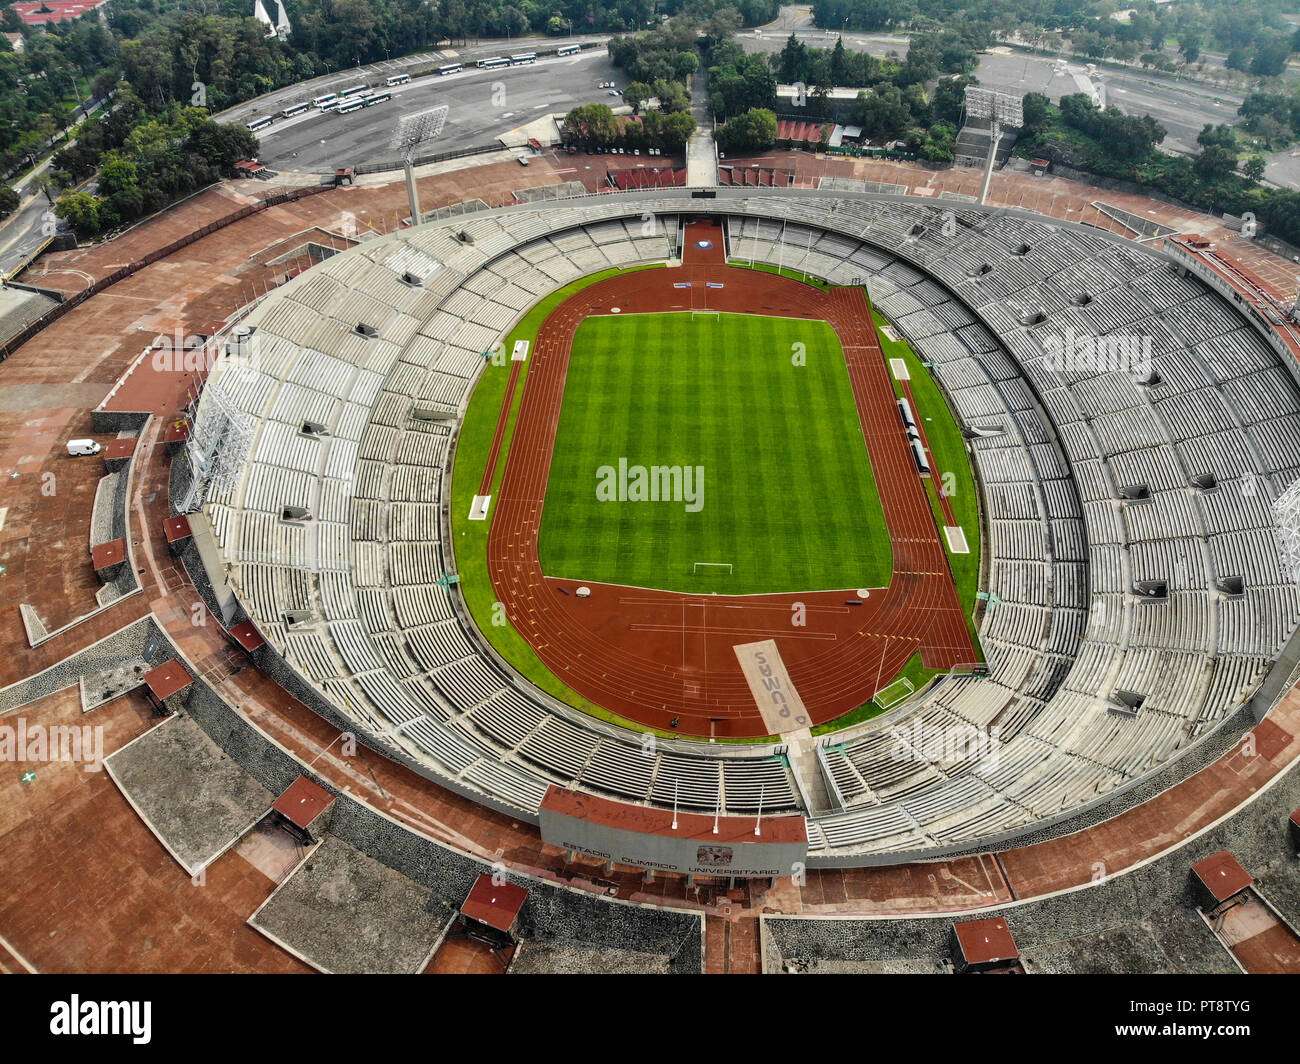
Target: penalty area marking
899,368
904,685
479,507
956,539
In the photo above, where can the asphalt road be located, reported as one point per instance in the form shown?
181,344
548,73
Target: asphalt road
22,234
1182,107
482,105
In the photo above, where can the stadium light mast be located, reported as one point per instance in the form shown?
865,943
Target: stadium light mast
412,131
1001,109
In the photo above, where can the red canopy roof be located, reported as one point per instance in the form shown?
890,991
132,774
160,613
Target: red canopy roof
1222,875
245,633
167,679
175,528
303,802
102,555
986,941
496,906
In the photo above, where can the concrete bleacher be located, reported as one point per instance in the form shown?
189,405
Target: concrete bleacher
978,294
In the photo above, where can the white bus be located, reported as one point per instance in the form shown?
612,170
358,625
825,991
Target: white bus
522,58
493,63
296,109
259,123
376,97
328,100
398,79
348,106
450,68
569,49
329,105
356,90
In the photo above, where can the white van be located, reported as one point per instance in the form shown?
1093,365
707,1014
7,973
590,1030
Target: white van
77,448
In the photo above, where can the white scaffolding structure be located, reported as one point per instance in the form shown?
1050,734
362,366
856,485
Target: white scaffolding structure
1286,514
218,446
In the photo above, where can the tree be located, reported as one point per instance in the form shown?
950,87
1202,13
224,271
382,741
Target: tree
8,200
637,93
792,62
1215,162
751,132
593,123
80,210
1272,49
1253,168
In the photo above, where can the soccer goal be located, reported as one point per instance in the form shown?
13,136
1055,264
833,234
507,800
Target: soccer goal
898,691
718,568
707,315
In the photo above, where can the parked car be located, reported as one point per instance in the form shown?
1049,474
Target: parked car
77,448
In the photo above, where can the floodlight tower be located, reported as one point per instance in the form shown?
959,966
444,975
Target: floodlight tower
1001,109
412,131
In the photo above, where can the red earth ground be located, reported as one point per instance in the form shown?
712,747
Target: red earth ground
656,656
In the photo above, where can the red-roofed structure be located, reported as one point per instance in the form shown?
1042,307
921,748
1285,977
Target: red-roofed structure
178,532
245,633
165,685
107,556
301,807
496,906
44,12
646,177
1222,876
802,132
985,944
755,176
118,453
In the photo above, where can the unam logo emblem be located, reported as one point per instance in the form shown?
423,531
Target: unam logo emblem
714,855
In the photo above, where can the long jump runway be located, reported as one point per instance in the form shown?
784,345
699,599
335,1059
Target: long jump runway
659,656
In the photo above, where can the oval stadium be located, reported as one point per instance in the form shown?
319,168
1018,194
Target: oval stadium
701,578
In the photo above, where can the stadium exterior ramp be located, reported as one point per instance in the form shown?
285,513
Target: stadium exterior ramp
1136,592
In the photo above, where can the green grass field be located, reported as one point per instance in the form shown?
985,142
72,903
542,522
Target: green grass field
788,497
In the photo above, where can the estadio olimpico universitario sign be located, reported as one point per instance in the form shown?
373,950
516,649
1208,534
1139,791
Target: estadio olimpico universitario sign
666,841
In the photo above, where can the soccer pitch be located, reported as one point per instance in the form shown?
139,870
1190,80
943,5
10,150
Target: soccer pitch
748,423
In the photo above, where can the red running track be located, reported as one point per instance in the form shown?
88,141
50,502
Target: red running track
652,656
